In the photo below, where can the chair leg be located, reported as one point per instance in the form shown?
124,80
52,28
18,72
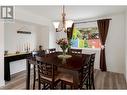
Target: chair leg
64,86
34,77
87,84
39,86
61,84
44,86
93,81
39,83
52,86
93,86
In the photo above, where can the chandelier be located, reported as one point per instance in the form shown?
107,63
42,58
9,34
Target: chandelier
63,24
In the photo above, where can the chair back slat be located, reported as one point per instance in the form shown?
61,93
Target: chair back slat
38,53
92,59
45,69
91,62
85,69
75,51
34,53
53,50
91,71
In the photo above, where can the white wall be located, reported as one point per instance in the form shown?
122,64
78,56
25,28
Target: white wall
1,53
16,41
52,36
126,45
39,36
44,27
115,43
115,52
27,16
49,35
42,34
43,37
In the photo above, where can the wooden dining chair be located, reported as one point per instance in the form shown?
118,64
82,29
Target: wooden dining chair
75,51
36,53
52,50
67,79
47,74
91,72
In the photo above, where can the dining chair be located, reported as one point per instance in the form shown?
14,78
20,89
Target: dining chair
47,74
75,51
52,50
36,53
91,72
67,79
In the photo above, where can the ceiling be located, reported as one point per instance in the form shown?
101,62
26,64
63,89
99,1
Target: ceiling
73,12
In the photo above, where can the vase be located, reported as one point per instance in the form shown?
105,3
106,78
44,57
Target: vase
64,52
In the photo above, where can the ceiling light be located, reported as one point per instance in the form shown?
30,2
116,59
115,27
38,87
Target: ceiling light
63,24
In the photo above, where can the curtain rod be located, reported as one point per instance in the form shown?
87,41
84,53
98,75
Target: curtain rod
87,21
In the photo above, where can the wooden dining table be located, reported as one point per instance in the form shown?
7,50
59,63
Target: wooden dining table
72,64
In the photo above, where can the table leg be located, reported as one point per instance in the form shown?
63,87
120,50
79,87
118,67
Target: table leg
28,75
7,76
34,78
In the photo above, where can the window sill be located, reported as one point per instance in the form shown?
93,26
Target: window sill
87,48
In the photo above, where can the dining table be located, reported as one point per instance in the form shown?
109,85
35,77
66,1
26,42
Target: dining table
72,63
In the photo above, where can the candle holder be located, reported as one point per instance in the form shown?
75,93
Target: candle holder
27,50
17,52
5,52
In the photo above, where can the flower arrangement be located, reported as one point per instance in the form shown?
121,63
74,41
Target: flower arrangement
64,44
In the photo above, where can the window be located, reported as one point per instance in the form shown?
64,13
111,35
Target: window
87,37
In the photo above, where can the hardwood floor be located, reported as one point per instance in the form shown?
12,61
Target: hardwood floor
103,80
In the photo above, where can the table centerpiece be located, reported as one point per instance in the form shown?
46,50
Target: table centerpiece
64,44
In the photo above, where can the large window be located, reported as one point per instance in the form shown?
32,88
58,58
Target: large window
87,37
